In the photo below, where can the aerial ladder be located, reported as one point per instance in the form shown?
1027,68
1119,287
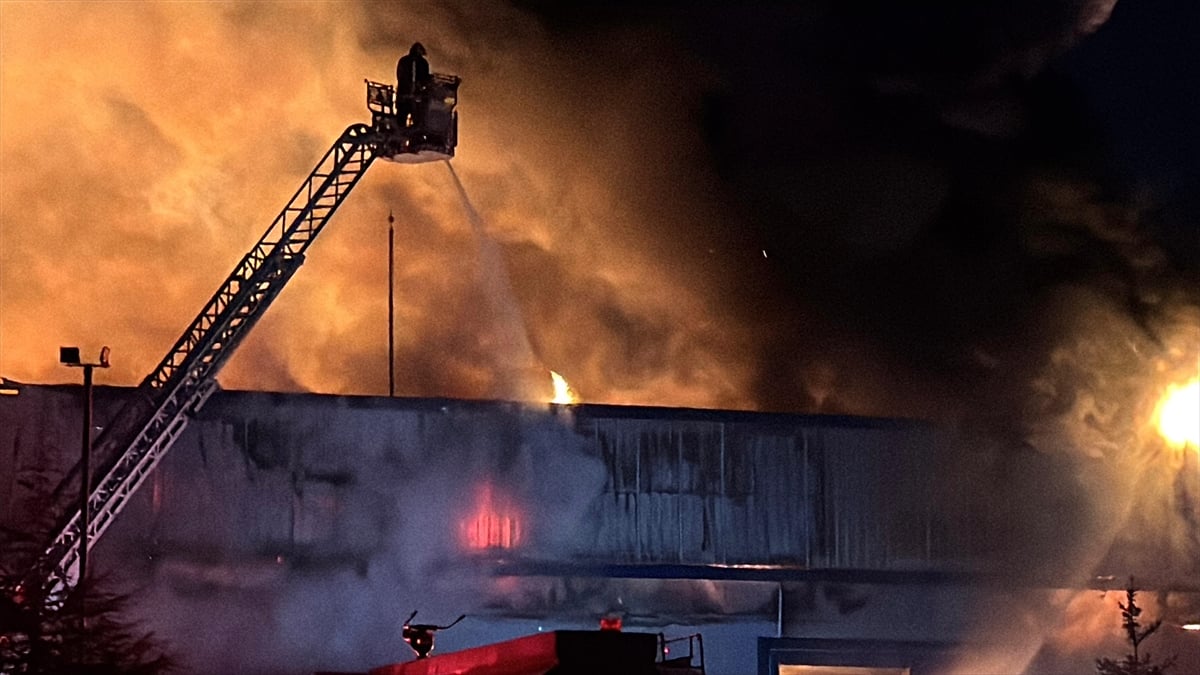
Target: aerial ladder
142,432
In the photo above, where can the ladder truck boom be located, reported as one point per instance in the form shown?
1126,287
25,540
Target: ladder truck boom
142,432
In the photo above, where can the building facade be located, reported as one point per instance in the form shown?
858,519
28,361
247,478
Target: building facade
299,529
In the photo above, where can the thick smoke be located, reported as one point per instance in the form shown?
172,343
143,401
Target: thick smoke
189,127
902,209
299,538
852,251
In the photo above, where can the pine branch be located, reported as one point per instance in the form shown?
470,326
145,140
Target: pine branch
1133,663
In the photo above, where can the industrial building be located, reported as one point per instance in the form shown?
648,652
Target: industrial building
303,528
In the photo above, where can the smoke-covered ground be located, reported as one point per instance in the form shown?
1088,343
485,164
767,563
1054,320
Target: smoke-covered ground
980,213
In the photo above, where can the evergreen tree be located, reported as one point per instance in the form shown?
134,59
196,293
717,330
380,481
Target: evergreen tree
1133,663
90,637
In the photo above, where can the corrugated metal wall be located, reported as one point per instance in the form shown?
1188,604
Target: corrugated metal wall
360,479
806,493
645,485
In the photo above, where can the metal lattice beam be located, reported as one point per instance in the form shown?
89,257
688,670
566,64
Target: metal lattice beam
142,432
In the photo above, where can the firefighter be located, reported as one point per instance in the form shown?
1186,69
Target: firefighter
412,77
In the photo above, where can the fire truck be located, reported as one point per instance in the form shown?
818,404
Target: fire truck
564,652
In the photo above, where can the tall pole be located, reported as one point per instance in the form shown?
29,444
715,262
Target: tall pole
85,481
69,356
391,305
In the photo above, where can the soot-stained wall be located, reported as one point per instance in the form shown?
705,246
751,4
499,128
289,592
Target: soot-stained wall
319,481
300,529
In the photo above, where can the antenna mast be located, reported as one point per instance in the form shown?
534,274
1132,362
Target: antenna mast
391,305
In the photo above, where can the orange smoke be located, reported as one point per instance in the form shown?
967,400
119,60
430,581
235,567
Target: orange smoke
153,144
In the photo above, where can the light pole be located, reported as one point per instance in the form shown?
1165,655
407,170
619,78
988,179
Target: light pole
69,356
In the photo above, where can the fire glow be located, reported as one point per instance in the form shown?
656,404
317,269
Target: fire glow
563,394
1178,415
183,156
492,524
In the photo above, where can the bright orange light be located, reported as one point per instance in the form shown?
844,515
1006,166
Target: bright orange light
563,393
492,524
1178,415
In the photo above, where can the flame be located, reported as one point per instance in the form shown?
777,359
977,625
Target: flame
491,524
563,394
1178,414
